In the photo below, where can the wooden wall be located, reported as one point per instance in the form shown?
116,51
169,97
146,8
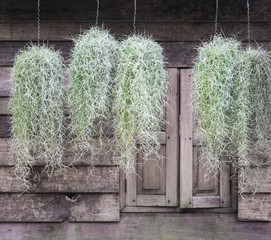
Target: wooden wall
179,25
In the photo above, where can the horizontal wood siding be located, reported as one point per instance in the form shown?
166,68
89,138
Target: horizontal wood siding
76,180
254,207
161,31
59,207
147,10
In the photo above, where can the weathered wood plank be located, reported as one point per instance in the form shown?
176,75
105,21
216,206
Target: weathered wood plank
158,168
5,129
186,148
131,187
105,158
225,188
254,207
151,176
147,10
172,142
5,126
76,179
151,200
95,208
162,31
58,208
205,201
175,210
201,185
263,185
178,54
122,190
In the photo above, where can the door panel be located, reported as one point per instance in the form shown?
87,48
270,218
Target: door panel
156,182
152,176
195,190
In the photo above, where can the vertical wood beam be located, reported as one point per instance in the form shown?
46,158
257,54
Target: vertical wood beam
172,140
186,148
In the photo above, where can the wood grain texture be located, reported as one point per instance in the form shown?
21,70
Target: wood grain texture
122,10
58,208
178,54
254,208
201,185
151,200
95,208
186,148
162,31
224,185
105,158
5,128
155,169
122,195
76,180
265,185
205,201
131,186
151,176
172,142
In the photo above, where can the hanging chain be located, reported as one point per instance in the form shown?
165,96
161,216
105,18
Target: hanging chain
38,21
97,12
248,24
134,22
216,16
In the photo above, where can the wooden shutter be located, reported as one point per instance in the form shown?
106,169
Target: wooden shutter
195,192
157,184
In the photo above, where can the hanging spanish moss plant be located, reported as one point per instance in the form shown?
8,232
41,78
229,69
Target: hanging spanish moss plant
92,71
140,97
214,73
37,109
251,118
232,101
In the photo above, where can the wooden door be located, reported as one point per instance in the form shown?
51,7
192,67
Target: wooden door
195,191
179,179
156,183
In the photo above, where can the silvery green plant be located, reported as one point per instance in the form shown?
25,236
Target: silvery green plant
213,77
37,109
92,72
140,98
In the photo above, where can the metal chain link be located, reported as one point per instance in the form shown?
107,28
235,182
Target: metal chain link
38,21
97,12
134,22
248,23
216,16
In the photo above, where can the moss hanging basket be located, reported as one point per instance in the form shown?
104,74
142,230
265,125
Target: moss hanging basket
232,93
37,109
92,72
139,100
214,73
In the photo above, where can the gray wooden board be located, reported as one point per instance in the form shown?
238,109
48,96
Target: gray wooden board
254,207
105,158
122,10
264,185
58,207
178,54
78,179
162,31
